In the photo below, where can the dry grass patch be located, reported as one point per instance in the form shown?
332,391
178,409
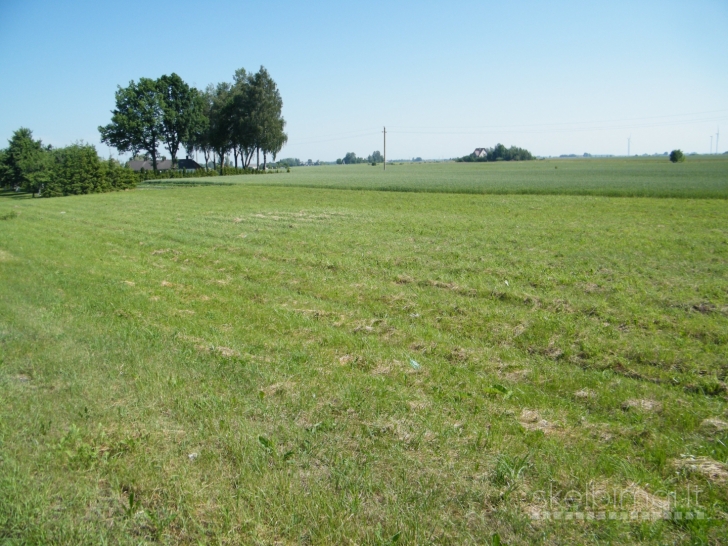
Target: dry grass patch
714,471
647,406
532,420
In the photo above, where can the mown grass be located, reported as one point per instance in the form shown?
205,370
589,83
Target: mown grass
264,365
698,177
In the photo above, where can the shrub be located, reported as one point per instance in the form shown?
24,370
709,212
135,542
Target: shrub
676,156
76,170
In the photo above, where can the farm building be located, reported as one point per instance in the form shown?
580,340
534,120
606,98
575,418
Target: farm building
480,152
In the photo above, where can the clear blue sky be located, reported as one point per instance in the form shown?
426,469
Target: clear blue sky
444,77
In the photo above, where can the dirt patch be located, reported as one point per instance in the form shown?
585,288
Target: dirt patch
584,394
714,425
517,375
313,313
714,471
704,307
458,354
226,352
383,368
532,420
418,405
279,388
647,406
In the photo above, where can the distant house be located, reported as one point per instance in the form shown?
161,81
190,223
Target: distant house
166,165
480,152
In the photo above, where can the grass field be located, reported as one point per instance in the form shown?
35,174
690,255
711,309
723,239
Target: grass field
255,364
698,177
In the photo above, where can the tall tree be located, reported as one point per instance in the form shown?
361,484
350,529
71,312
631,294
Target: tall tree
199,136
181,112
239,110
137,121
27,162
220,125
267,123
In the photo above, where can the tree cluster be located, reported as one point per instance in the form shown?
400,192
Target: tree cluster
45,171
500,153
352,159
242,118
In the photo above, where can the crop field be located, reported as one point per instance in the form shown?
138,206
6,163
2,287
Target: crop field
257,361
699,177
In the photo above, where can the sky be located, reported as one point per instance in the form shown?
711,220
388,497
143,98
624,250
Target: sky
443,77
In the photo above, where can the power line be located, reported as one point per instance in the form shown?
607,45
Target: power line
560,123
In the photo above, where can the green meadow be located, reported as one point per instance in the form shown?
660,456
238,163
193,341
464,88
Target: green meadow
698,177
497,353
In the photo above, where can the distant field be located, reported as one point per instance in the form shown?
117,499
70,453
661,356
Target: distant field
242,364
699,176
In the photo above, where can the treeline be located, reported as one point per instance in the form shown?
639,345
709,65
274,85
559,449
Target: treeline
28,165
352,159
499,153
242,118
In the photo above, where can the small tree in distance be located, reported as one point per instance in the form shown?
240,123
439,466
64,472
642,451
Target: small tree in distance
676,156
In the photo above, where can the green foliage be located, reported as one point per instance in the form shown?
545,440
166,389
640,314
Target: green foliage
375,158
77,170
25,163
351,159
137,121
48,172
143,176
500,153
676,156
182,112
290,162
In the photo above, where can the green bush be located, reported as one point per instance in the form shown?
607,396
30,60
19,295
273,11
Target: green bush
76,170
48,172
676,156
143,175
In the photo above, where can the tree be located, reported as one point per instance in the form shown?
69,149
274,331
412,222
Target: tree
220,126
77,170
350,158
240,110
26,162
181,112
199,136
266,120
676,156
376,157
137,121
500,153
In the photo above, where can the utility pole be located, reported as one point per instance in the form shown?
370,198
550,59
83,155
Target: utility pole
385,148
